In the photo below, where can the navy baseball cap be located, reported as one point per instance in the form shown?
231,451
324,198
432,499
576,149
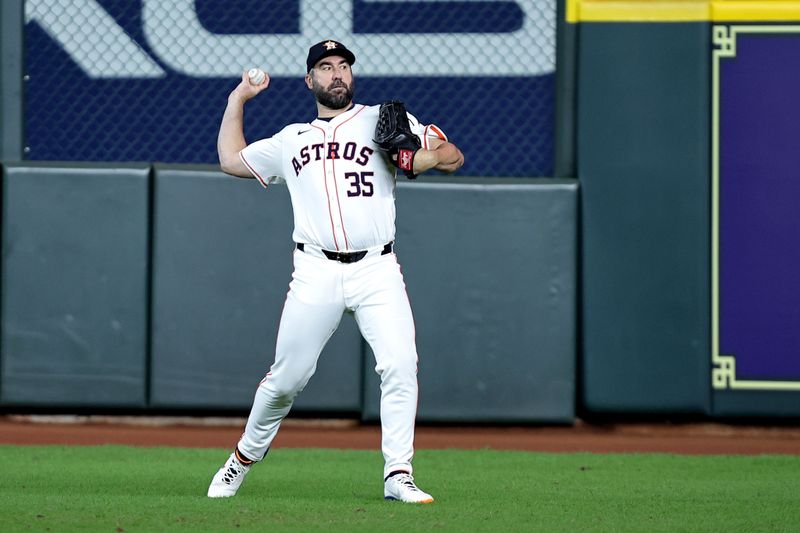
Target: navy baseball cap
325,49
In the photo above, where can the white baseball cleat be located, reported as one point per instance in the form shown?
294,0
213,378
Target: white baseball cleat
228,479
401,487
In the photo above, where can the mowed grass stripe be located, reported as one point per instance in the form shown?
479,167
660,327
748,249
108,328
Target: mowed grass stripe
120,488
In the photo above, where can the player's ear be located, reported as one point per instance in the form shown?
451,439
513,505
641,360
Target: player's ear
309,81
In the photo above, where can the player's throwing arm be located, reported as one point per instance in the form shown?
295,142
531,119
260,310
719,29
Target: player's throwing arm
231,131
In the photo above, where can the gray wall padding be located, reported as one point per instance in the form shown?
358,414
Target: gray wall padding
222,263
490,269
74,295
490,272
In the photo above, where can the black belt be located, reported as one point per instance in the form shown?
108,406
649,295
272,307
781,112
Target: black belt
348,257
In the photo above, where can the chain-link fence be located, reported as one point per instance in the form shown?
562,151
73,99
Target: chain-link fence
124,80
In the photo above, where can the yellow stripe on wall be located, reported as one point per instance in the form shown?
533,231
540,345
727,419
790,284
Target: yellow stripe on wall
682,10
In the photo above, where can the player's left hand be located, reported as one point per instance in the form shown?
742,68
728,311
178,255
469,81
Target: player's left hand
393,134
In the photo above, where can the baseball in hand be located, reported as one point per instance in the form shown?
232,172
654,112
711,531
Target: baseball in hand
256,76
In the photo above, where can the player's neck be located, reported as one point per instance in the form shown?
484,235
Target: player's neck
327,112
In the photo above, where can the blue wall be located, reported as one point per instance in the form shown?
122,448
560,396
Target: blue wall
504,121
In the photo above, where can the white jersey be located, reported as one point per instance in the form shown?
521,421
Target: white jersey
341,184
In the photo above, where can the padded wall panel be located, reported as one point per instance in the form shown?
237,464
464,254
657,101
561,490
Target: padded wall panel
222,266
74,295
490,272
745,404
644,166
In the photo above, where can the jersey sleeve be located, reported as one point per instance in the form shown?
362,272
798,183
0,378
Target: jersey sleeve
264,159
425,132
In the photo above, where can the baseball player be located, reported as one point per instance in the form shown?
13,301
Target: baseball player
342,187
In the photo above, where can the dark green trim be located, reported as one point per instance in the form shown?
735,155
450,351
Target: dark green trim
12,24
565,164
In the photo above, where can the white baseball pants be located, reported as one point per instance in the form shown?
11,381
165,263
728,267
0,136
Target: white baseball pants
319,293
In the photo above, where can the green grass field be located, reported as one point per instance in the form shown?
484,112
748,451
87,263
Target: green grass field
118,488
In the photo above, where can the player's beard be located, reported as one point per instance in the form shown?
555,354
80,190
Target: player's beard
330,99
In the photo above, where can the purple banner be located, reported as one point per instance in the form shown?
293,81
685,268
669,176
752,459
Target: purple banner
759,199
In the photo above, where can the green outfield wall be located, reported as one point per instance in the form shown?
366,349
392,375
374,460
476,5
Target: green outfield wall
492,281
654,276
160,288
685,135
75,285
222,262
643,152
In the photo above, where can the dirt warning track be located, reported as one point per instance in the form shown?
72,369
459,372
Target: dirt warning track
347,434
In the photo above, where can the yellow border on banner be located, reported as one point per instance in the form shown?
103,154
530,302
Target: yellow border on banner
682,10
723,367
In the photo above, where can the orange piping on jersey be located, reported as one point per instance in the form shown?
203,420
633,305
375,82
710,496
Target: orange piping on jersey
333,166
436,131
439,133
253,171
325,178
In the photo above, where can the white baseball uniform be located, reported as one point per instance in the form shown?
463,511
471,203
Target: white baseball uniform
342,188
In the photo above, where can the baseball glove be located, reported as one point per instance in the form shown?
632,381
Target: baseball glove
394,136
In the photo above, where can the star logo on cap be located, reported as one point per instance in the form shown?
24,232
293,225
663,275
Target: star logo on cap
330,45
